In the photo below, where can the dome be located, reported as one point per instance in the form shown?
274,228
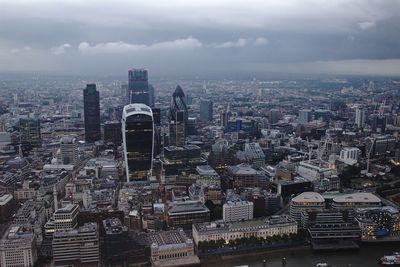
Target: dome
17,163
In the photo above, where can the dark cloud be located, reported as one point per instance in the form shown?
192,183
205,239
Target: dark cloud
191,37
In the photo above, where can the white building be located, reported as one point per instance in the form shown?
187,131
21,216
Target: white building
66,218
261,228
350,155
313,170
18,247
68,151
306,200
356,200
237,211
360,117
80,244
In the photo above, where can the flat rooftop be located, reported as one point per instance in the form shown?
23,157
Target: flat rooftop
309,197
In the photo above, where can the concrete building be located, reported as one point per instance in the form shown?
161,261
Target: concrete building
237,211
185,213
172,248
356,200
360,117
305,116
206,110
267,227
350,155
254,155
18,247
66,218
304,201
68,151
77,245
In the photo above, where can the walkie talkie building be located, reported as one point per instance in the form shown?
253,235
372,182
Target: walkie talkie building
138,141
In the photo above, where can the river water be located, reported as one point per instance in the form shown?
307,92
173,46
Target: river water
367,256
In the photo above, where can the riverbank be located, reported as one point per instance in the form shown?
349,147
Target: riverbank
367,256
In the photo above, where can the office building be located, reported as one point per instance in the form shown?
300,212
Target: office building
68,151
77,245
178,117
356,200
254,155
274,115
185,213
112,132
260,228
206,110
304,201
350,155
237,210
66,218
30,135
91,105
305,116
152,96
243,175
18,247
329,225
138,87
172,248
138,141
360,117
379,222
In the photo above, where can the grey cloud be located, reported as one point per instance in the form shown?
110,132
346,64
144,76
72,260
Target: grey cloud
59,50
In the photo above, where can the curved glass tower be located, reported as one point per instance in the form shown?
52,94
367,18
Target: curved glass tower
138,141
178,116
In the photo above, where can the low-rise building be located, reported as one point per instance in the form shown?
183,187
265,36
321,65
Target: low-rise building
18,247
237,211
185,213
261,228
172,248
304,201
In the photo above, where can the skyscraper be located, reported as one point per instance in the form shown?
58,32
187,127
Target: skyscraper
304,116
138,141
206,110
68,150
29,133
360,117
178,116
138,87
91,100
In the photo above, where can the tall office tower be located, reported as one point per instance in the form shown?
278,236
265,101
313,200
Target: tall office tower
360,117
304,116
29,132
68,150
274,115
206,110
138,86
91,101
224,117
178,116
138,141
152,96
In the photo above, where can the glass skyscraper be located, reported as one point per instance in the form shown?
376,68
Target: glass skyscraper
91,101
138,87
178,116
138,141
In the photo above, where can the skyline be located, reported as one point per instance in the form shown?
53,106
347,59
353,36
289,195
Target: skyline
200,37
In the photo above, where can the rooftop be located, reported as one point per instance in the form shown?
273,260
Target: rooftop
361,197
309,197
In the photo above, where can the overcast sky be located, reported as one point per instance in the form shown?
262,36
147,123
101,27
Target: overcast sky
191,37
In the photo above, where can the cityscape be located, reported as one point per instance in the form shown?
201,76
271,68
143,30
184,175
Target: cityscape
142,168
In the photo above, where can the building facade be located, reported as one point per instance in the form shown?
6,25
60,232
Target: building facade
138,87
237,211
138,141
91,103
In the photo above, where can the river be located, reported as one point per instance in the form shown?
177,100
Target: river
368,255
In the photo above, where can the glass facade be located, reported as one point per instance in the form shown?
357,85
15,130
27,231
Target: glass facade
138,86
91,100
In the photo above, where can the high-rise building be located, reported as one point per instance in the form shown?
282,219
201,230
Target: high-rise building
29,132
274,115
68,150
91,100
112,132
206,110
304,116
138,141
178,117
152,97
360,117
138,86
